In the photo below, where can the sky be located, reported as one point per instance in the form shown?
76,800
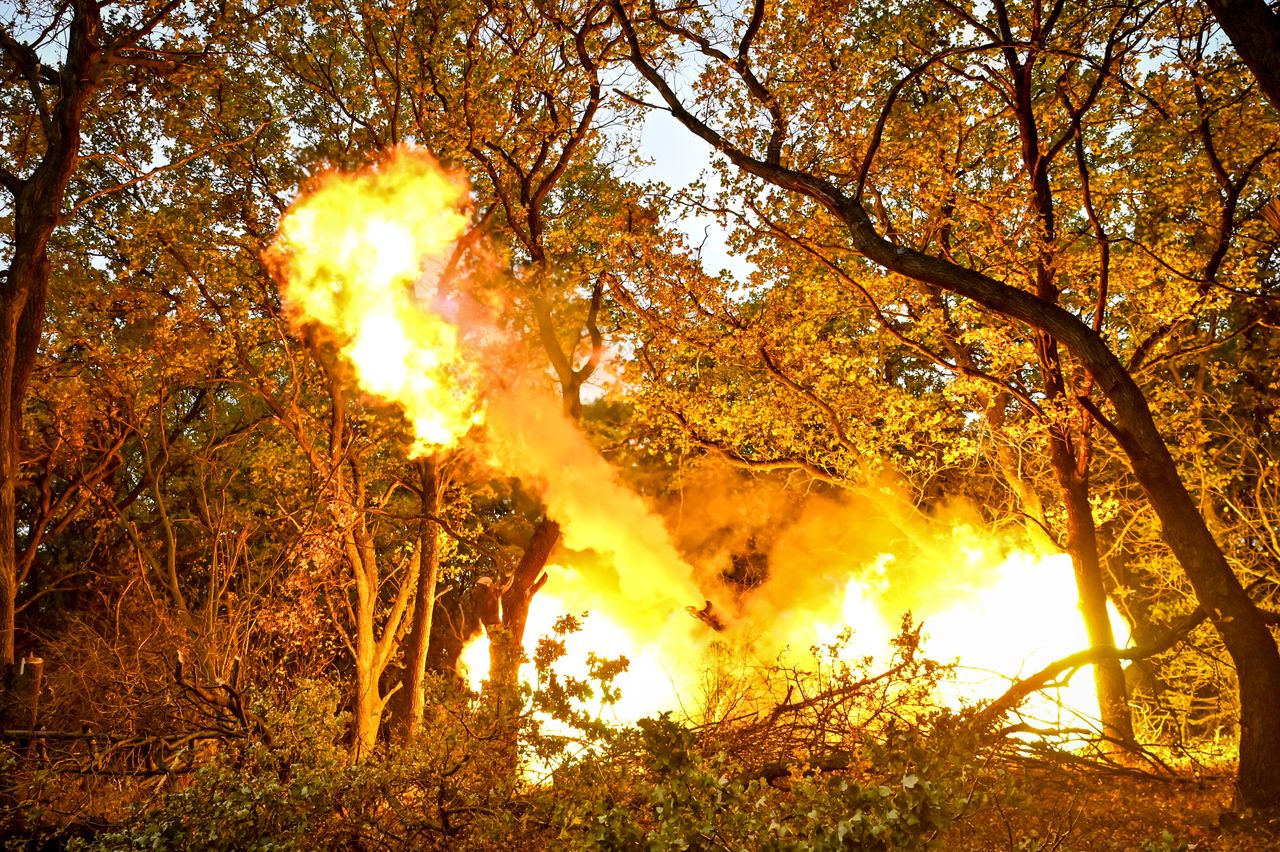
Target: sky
679,158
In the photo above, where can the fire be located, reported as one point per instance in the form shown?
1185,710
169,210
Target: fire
1027,618
664,657
361,257
1008,615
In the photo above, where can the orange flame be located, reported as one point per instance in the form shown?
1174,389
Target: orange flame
361,256
1006,614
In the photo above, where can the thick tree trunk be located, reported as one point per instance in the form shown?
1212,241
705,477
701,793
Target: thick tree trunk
1254,30
366,709
369,702
506,640
8,566
507,651
37,210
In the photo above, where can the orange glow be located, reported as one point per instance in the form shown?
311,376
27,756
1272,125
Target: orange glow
1019,614
665,656
1027,618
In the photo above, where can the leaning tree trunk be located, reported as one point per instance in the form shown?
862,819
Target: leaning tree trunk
1254,30
506,641
506,648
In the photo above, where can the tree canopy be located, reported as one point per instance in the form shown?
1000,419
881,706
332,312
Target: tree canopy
1006,281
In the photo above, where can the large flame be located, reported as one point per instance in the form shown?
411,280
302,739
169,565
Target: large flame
361,256
663,663
1008,614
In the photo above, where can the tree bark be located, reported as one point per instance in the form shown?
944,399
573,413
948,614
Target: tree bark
1254,31
1082,545
506,649
506,641
37,210
369,701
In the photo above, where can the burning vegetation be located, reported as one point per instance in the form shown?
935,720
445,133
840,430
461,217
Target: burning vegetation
387,466
362,261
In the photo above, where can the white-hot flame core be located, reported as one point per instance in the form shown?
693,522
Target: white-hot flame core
353,255
1023,616
662,656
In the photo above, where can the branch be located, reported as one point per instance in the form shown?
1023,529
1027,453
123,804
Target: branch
10,181
588,368
28,62
771,772
737,460
147,175
1050,673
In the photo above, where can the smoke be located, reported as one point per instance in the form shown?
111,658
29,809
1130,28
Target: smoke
362,256
817,560
627,553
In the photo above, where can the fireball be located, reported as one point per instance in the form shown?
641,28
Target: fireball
361,257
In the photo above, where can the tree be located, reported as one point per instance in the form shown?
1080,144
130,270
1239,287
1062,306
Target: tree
1254,30
56,85
759,104
509,93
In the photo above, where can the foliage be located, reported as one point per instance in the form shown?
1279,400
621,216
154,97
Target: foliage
450,786
904,790
182,471
662,784
860,762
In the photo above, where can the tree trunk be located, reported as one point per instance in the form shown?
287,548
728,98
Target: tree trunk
507,651
418,642
366,708
369,702
1254,31
11,302
1082,545
37,209
506,642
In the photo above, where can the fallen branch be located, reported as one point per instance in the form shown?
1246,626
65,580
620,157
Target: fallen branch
104,737
789,706
1089,656
771,772
223,701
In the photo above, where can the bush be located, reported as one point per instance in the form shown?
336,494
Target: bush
898,795
861,761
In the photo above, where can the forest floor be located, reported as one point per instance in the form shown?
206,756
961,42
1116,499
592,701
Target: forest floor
1060,808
